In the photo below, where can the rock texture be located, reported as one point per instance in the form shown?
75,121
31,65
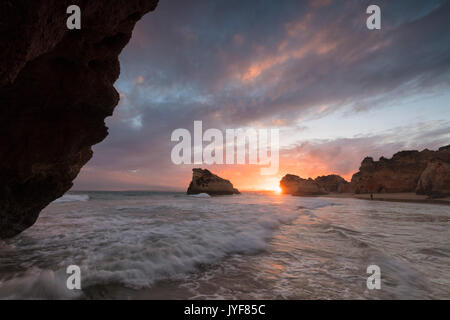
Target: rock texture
401,173
56,88
435,179
425,172
292,184
333,183
203,181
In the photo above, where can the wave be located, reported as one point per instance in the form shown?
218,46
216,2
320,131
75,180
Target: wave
137,245
200,195
72,197
309,206
38,284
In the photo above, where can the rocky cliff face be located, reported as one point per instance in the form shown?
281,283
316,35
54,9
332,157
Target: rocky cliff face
56,88
203,181
435,179
333,183
292,184
425,172
401,173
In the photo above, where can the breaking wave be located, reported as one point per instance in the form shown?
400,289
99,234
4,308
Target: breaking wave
72,197
251,246
200,195
137,244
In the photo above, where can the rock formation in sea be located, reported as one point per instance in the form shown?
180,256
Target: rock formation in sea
333,183
203,181
56,89
401,173
292,184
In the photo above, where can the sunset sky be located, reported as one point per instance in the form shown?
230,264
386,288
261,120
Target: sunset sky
337,91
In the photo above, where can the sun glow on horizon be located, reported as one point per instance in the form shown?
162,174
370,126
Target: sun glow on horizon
271,184
278,189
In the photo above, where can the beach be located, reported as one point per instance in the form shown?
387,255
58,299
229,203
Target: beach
168,245
395,197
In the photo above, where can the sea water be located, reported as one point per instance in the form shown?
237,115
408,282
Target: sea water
161,245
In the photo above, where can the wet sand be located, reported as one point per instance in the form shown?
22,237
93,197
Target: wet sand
396,197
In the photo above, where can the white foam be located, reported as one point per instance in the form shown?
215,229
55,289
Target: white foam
38,284
136,241
72,197
200,195
161,239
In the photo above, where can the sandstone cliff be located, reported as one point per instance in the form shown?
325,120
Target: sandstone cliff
203,181
56,88
333,183
401,173
292,184
425,172
435,179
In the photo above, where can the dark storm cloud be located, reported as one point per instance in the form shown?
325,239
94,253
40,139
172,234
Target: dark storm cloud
257,59
236,63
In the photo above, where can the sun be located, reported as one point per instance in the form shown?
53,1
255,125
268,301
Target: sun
278,189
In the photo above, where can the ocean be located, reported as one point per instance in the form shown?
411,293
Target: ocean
167,245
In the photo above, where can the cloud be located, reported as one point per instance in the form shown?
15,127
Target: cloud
343,155
258,63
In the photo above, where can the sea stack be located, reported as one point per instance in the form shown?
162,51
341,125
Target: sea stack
334,183
292,184
204,181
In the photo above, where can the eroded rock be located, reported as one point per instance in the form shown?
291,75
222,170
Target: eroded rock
401,173
435,179
425,172
292,184
333,183
204,181
56,89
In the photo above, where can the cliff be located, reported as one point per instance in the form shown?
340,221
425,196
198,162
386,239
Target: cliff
333,183
435,179
292,184
56,89
401,173
425,172
203,181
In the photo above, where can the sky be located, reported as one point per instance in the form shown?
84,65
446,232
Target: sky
337,91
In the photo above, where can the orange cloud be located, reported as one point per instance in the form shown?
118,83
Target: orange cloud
296,45
140,79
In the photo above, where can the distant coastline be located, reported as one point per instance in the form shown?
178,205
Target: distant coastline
424,176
